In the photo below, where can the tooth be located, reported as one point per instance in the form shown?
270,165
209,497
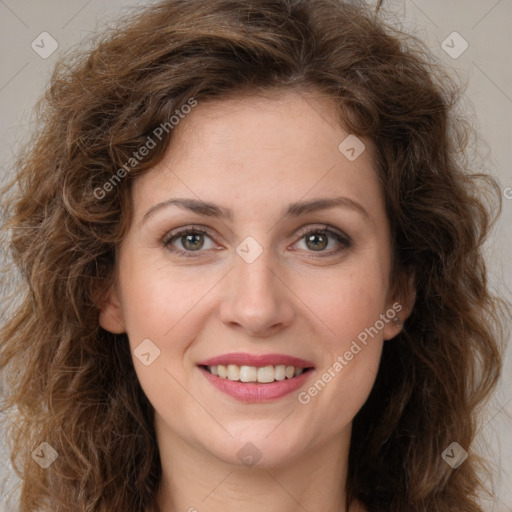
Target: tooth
266,374
233,372
280,372
248,374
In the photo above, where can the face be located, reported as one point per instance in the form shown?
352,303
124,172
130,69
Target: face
261,250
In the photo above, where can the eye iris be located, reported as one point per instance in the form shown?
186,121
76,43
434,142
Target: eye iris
319,241
192,242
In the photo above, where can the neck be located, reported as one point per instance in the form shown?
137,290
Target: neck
194,480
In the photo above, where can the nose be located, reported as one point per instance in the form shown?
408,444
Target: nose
256,299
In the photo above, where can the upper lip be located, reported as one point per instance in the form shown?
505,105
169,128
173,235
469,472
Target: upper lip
241,359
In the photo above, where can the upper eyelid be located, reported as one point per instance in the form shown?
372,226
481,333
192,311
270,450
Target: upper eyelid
183,230
324,227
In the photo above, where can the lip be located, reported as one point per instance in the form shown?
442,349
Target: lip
254,392
243,359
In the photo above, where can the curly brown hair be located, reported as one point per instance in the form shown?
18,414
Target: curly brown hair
73,385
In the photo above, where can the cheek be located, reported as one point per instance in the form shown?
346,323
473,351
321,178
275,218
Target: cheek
350,304
158,303
350,307
348,301
161,306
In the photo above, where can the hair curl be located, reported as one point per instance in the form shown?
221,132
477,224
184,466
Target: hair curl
73,385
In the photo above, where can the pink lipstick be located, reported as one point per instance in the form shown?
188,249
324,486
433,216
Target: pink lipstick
256,378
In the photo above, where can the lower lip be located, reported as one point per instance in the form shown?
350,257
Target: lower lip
255,392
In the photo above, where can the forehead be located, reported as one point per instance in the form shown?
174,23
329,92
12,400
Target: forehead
279,121
273,148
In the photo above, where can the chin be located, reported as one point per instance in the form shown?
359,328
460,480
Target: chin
255,450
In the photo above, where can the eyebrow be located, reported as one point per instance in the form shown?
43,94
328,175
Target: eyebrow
294,209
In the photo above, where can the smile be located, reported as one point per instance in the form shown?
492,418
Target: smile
263,374
256,378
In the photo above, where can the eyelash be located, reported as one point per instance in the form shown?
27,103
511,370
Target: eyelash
343,239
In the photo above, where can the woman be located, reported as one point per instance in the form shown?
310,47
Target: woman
252,271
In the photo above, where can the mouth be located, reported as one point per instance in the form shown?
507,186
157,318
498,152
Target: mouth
262,378
261,375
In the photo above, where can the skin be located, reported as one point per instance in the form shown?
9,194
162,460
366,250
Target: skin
255,155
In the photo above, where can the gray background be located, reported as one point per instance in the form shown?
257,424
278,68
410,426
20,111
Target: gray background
486,67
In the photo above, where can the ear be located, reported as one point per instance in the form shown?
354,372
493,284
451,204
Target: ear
399,306
111,312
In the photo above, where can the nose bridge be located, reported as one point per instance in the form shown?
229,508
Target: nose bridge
256,277
257,300
253,264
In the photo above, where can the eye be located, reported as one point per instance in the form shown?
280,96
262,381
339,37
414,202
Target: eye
320,239
188,240
192,239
